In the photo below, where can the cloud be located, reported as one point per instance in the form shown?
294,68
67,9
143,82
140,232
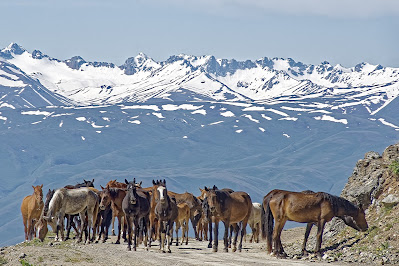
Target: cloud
328,8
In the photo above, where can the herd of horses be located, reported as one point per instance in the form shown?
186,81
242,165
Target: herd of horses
146,214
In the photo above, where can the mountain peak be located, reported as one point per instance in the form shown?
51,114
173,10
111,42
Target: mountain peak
12,49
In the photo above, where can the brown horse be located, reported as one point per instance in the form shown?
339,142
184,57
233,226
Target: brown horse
304,207
193,203
114,184
31,209
182,219
230,208
114,197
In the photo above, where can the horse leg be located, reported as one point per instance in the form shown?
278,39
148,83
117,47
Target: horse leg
307,232
169,234
129,223
215,235
243,225
205,231
29,228
231,234
320,228
210,234
69,221
194,224
186,231
257,227
236,231
146,224
124,226
226,236
118,241
177,233
278,248
113,224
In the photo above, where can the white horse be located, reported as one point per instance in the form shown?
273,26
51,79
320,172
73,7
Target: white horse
80,201
254,221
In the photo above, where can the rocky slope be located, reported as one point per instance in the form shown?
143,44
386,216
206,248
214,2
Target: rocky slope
376,186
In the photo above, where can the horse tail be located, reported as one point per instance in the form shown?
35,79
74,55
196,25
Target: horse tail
267,221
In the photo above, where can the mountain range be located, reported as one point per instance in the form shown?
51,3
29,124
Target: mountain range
194,120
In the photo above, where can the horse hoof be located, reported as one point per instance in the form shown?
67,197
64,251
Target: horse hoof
209,245
117,242
169,251
129,248
234,249
214,249
226,250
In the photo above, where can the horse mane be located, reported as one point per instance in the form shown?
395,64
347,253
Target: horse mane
55,200
337,202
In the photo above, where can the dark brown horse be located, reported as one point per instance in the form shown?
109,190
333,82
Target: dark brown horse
136,206
304,207
165,211
31,209
230,208
113,197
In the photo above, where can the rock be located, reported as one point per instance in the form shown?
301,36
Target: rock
390,200
22,255
372,155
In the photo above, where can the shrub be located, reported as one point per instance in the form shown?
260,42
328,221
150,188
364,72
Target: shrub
394,167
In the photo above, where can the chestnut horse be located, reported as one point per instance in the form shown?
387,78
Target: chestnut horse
230,208
31,209
114,184
182,219
304,207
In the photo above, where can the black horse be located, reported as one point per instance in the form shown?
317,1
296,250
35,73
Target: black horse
136,206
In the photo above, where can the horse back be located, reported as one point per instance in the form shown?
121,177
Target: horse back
240,205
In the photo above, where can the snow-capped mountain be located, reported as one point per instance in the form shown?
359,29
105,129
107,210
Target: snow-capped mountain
141,78
250,125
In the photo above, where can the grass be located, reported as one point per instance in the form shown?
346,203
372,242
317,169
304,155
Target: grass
25,263
3,261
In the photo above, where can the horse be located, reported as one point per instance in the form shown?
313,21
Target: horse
206,218
115,184
31,209
70,218
183,216
192,202
74,201
41,225
165,211
203,221
136,206
113,197
231,208
104,220
255,221
304,207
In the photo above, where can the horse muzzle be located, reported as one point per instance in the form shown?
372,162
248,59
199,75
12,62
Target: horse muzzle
132,202
102,207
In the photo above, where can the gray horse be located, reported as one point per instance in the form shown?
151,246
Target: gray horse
73,201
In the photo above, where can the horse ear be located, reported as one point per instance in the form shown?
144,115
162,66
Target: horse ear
134,180
102,187
127,182
153,182
141,182
93,180
164,182
200,189
33,187
206,189
214,187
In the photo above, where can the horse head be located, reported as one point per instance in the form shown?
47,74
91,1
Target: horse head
162,191
105,198
360,219
41,227
88,183
131,191
38,192
212,200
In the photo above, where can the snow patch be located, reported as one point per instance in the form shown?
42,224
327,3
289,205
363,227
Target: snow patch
227,114
331,119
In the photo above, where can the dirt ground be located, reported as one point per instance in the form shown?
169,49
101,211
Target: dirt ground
195,253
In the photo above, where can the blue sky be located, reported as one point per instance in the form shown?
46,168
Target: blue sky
311,31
